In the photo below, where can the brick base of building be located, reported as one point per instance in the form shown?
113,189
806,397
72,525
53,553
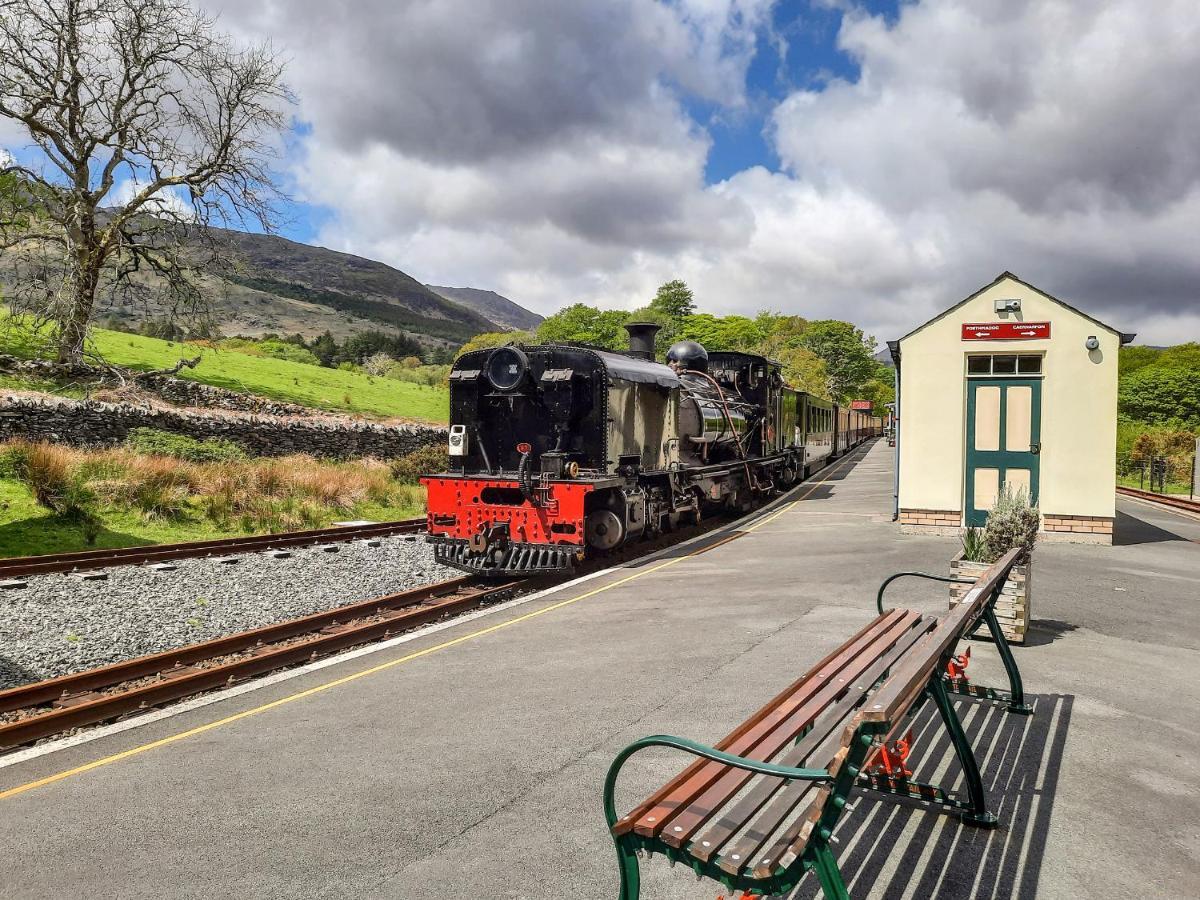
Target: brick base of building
1060,528
1077,529
930,521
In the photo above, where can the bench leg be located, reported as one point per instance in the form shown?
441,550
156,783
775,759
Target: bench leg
1016,691
829,875
631,878
977,815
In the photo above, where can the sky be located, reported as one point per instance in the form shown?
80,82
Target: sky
869,161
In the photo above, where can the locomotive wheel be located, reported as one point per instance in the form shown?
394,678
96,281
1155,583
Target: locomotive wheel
603,529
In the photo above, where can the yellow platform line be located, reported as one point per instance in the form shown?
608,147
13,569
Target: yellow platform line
347,679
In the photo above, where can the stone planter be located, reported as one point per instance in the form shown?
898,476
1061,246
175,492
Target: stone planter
1012,606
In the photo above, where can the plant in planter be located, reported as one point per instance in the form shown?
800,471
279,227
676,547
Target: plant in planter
1011,522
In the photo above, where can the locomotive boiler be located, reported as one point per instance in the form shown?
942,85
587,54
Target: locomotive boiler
559,451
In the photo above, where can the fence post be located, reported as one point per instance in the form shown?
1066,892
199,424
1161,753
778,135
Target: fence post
1195,471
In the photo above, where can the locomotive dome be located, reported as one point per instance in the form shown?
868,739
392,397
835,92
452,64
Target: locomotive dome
688,355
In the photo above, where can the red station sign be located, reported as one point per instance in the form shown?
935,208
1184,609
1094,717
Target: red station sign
1005,331
861,404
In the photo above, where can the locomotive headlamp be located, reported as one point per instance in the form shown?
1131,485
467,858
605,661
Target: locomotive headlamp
506,368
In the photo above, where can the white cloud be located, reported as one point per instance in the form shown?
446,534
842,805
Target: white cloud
544,150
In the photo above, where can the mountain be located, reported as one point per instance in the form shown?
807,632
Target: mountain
275,285
491,306
352,287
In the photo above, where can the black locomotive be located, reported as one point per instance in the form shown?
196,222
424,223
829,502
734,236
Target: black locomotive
561,450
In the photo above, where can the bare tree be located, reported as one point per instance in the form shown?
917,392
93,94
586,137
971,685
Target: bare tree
148,128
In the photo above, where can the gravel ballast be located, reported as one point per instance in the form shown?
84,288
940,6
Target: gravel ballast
61,623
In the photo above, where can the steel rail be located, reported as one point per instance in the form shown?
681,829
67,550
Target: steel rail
1192,506
125,556
77,700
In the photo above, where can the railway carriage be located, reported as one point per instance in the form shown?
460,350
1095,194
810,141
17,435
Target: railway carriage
558,451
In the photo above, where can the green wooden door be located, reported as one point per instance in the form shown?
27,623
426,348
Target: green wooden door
1004,440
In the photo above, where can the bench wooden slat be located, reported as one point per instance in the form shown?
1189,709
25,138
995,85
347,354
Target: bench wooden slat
914,671
700,774
766,738
732,742
816,751
856,679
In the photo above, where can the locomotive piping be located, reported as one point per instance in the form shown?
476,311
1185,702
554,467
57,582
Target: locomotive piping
750,479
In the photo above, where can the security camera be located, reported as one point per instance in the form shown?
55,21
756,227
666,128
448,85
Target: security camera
1092,343
1007,306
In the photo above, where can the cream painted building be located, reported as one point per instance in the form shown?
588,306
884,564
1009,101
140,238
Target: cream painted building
1009,386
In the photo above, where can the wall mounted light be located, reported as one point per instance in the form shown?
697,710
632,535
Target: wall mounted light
1092,343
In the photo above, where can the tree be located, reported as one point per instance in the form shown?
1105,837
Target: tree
779,332
587,325
360,347
490,339
1161,395
325,349
378,364
848,355
805,371
150,127
674,299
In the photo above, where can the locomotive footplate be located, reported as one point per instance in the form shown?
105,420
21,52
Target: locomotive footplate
505,560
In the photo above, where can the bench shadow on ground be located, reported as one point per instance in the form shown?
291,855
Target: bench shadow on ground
892,848
1129,530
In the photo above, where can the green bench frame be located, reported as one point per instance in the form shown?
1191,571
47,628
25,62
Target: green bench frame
900,699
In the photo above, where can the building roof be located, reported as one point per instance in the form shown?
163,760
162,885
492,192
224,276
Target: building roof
1125,338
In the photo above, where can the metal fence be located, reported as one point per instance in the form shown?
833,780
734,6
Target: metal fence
1161,474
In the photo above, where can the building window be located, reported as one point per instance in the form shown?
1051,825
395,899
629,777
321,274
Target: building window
985,364
1029,365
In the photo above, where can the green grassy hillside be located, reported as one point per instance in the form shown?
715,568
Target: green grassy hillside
330,389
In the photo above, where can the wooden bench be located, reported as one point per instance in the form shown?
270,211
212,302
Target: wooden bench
758,811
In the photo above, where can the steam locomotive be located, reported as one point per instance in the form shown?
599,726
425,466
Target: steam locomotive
560,451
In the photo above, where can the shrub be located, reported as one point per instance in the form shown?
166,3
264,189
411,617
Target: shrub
427,460
1011,523
972,542
180,446
50,472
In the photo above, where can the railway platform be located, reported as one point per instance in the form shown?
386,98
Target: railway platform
468,762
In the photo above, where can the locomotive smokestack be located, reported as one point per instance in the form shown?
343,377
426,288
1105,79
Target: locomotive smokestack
641,339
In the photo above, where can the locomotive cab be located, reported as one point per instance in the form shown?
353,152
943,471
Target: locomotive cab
552,441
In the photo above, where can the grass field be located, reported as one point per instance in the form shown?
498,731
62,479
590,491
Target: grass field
329,389
57,499
27,529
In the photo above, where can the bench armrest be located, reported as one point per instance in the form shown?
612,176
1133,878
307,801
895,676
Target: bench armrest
891,578
706,752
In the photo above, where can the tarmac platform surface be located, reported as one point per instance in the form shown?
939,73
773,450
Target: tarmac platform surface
468,763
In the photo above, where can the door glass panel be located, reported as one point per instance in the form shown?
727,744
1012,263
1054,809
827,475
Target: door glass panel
979,365
1017,480
1004,365
987,417
1018,432
987,484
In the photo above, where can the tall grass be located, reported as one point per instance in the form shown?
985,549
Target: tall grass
272,494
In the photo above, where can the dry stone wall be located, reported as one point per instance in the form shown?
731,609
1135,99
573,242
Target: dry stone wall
91,423
179,391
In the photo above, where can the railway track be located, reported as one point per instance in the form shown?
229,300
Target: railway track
19,566
1181,503
45,708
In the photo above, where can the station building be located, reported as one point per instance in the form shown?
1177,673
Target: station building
1009,386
